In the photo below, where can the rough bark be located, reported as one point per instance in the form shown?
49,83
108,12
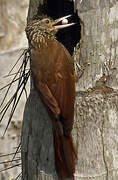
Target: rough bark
96,111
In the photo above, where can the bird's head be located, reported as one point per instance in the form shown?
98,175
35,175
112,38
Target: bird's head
39,30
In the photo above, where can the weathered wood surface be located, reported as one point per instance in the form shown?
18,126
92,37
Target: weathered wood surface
96,134
96,112
99,49
37,140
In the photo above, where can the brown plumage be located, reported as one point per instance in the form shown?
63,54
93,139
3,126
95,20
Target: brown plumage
53,76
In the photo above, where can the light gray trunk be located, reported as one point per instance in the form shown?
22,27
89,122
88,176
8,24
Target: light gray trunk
96,112
96,109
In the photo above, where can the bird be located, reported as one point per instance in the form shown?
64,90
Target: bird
53,77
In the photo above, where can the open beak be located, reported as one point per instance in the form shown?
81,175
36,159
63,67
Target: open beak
57,27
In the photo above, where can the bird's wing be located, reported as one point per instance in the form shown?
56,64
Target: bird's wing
48,98
52,72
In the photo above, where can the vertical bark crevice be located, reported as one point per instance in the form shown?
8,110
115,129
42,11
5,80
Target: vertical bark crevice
103,145
95,134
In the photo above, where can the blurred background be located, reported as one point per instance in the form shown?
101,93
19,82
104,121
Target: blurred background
12,23
13,41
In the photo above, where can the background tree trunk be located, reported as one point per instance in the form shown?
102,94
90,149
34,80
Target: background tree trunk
96,112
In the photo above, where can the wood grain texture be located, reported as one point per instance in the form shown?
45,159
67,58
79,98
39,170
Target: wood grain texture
96,112
37,141
99,47
88,5
95,133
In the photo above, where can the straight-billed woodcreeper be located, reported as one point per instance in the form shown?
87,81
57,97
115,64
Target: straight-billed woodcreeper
53,77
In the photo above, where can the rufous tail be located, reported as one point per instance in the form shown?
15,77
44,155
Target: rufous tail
65,155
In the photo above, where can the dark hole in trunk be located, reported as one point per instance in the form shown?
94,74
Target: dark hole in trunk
70,36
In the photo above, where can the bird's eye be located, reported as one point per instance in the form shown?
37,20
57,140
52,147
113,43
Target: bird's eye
47,21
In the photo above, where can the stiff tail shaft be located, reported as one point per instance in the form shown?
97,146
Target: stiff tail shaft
65,155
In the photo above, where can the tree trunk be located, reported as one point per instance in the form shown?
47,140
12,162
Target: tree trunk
96,112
